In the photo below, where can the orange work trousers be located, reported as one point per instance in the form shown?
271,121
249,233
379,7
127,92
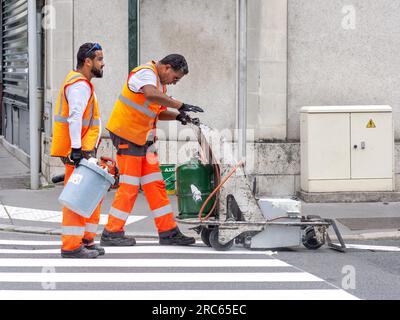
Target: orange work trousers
145,171
75,227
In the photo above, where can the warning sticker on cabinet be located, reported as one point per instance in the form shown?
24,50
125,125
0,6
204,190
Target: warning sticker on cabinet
371,124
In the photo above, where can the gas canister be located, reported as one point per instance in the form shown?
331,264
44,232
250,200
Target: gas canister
194,181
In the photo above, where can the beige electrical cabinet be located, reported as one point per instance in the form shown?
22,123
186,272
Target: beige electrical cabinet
347,148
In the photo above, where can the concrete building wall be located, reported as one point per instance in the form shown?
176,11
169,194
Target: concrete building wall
278,170
58,47
343,52
300,52
267,68
204,31
58,63
80,21
77,22
105,22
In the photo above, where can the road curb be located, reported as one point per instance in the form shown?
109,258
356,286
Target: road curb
51,231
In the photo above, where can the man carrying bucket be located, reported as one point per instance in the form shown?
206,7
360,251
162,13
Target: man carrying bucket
76,135
132,129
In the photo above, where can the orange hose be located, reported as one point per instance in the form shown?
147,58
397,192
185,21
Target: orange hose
216,198
217,189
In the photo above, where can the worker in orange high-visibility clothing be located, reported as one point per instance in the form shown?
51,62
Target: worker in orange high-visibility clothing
132,124
76,135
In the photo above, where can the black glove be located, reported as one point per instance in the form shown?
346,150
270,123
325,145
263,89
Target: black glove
76,156
189,108
184,119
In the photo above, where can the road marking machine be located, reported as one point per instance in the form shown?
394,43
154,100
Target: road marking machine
228,212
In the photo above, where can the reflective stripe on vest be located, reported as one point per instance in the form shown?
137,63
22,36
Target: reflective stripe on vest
143,109
134,117
74,77
86,123
151,135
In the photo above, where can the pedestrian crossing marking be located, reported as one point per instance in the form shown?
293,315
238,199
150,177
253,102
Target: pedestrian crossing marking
142,263
330,294
18,213
55,242
261,270
198,250
373,248
159,277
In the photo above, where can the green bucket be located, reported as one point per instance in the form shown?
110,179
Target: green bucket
168,173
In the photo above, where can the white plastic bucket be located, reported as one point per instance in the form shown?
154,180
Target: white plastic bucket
86,187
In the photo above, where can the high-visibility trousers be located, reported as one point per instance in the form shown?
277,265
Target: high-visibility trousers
135,171
75,227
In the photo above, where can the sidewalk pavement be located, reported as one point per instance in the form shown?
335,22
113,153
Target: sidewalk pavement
30,211
13,173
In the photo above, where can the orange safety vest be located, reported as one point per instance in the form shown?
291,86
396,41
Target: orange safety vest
61,144
134,118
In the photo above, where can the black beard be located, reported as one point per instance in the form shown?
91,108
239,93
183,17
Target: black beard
98,73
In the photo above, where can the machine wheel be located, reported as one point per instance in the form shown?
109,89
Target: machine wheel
216,244
205,236
310,240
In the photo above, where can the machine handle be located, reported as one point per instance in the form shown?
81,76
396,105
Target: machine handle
57,179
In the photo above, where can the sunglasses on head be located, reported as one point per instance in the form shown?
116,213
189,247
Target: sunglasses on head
95,47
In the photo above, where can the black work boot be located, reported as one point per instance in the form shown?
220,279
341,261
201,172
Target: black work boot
90,245
80,253
175,237
116,239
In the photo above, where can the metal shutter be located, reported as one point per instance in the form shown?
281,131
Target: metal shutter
15,72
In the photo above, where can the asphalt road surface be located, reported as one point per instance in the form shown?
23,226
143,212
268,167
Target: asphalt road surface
31,268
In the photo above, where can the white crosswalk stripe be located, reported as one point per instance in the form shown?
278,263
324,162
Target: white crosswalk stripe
142,249
39,215
158,277
142,263
179,295
148,271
